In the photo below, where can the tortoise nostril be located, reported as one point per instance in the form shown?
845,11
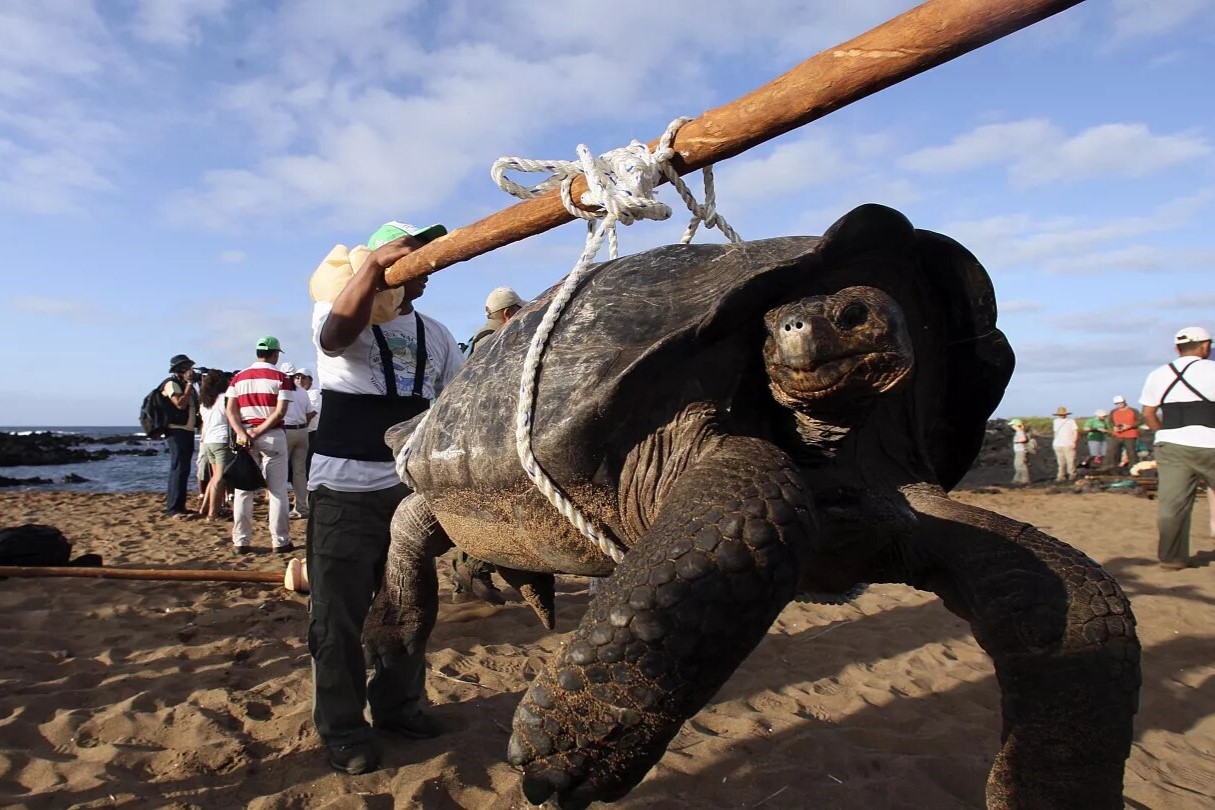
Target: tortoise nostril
799,324
853,315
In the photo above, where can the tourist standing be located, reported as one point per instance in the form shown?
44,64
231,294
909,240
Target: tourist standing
178,389
1178,402
1020,450
1096,431
214,446
257,403
372,376
1064,444
295,423
1124,435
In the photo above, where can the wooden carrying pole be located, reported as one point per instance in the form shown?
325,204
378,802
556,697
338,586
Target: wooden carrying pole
926,36
147,574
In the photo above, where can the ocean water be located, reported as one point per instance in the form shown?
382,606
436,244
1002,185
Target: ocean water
114,474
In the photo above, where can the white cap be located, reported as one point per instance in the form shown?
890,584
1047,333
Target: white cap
1100,413
501,298
1192,334
1120,400
287,369
304,372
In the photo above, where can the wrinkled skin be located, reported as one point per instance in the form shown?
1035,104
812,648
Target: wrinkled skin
811,476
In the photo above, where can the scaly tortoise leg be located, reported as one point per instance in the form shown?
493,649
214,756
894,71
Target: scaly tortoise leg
681,611
1062,637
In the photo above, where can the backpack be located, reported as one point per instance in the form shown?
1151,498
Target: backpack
155,411
1031,446
34,544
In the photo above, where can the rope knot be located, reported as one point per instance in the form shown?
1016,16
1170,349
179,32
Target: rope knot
620,188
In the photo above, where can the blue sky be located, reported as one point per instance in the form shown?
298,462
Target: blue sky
172,172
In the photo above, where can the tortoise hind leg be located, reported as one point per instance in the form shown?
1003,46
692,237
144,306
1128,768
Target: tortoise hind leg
407,605
537,589
683,609
1062,637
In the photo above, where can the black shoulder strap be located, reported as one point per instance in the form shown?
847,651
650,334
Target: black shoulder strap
1181,379
419,375
390,375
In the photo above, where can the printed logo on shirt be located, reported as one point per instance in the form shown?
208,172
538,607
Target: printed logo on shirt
404,350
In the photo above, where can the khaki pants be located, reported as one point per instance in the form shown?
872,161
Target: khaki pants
1065,457
1179,468
1020,467
297,457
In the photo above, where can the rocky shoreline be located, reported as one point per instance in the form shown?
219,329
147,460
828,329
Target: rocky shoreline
44,448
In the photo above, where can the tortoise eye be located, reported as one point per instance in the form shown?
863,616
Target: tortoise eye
853,315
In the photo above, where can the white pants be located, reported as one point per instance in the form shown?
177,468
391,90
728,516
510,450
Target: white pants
297,455
1065,458
270,452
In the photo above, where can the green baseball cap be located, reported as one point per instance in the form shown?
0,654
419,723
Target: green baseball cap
269,344
395,230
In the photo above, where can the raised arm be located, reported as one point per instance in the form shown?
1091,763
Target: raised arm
352,308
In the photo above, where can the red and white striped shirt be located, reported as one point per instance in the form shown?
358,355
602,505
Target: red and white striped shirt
257,391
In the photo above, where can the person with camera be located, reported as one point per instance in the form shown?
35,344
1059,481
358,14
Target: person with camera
178,390
214,450
258,398
379,363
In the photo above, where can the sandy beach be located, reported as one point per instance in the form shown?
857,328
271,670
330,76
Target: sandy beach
133,694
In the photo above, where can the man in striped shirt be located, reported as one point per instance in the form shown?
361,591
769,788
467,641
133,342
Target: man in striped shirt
257,402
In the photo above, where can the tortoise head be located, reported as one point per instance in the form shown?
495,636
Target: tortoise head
827,351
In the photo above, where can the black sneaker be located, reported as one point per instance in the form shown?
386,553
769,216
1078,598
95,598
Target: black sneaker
242,549
284,549
418,727
354,759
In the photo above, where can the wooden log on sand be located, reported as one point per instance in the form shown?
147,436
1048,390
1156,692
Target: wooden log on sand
145,574
926,36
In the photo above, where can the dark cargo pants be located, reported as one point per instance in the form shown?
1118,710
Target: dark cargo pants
1179,468
348,536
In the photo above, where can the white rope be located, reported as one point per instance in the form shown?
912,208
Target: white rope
620,189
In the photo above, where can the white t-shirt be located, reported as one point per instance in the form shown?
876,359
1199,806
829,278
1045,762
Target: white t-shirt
314,405
215,421
358,370
1198,373
1066,432
297,408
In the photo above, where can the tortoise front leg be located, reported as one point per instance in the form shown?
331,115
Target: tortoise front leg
685,607
1062,636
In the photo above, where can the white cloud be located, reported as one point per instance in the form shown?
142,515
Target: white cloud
174,22
358,120
1037,152
232,256
810,160
1109,150
982,146
1133,19
56,147
1019,240
67,309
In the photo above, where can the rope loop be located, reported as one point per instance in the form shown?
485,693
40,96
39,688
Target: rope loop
620,189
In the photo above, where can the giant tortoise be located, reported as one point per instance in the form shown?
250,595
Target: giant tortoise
751,423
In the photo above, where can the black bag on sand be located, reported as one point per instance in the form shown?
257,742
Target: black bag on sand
242,472
34,544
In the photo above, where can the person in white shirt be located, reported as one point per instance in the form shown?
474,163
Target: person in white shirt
295,423
214,446
372,376
1178,402
257,403
1064,444
304,379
